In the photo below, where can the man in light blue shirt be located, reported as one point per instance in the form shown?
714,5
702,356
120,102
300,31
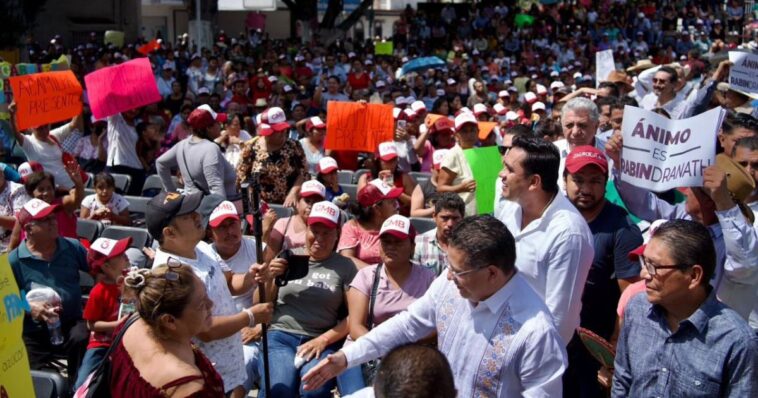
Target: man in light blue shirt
678,340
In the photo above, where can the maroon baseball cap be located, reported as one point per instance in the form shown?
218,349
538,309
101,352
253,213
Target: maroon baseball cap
586,155
204,116
377,190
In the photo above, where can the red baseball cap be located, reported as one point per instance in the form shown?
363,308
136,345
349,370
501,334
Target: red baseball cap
586,155
204,116
398,226
443,124
104,249
387,151
33,210
327,165
377,190
276,118
315,123
28,168
326,213
223,211
312,188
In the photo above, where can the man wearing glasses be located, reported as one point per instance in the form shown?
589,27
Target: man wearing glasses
678,340
492,327
175,221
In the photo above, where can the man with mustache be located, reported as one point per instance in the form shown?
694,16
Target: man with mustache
431,246
614,236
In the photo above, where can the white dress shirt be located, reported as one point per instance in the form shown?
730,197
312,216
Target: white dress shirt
506,346
554,253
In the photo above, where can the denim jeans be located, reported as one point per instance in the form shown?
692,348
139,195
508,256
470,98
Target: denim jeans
92,359
285,379
252,354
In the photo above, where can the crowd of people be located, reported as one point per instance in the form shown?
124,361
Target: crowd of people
358,299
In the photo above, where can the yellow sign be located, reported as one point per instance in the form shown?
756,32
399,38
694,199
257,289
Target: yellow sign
15,376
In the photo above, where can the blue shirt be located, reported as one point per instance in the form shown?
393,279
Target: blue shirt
61,274
714,353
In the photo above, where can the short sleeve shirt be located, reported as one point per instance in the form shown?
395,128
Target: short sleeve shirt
225,353
455,161
614,236
365,242
389,300
102,305
117,204
311,305
289,237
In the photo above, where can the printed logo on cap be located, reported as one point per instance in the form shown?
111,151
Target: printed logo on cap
387,149
311,187
384,188
225,209
439,156
324,212
35,206
327,165
276,115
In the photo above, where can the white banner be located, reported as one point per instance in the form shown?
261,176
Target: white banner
743,75
604,65
660,154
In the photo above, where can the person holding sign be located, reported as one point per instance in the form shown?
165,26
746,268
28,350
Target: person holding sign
43,146
122,149
455,174
718,205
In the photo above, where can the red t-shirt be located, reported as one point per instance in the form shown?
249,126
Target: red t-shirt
103,303
359,82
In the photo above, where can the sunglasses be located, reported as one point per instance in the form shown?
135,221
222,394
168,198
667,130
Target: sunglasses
169,276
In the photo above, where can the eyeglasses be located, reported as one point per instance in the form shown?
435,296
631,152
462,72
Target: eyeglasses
504,149
652,269
745,164
459,274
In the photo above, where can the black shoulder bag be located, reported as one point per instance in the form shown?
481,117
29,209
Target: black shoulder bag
98,383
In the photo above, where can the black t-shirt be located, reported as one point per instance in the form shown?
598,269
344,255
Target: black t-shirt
615,235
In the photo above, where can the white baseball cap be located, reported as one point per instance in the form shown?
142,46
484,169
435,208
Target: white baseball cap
34,209
222,212
463,119
530,97
327,164
396,112
503,94
538,106
312,188
276,118
418,106
500,109
398,226
479,109
511,115
450,82
387,151
556,84
326,213
541,89
438,157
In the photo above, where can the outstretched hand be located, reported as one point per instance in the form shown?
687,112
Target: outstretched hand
329,368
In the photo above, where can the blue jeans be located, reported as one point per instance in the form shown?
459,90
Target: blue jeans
252,354
285,379
92,359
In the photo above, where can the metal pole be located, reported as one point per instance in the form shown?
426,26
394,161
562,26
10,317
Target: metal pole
253,196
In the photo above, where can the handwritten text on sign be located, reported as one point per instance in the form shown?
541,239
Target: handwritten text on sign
44,98
604,65
660,154
358,127
743,75
122,87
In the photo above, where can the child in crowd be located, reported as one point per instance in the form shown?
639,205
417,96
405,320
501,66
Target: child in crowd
105,205
104,309
327,175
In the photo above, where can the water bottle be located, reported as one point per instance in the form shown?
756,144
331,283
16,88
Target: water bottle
54,328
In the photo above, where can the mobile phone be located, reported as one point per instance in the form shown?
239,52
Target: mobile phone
402,123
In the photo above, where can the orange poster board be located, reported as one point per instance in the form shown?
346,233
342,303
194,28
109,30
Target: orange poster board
431,119
354,126
44,98
485,128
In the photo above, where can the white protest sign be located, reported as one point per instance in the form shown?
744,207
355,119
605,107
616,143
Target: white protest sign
604,65
661,154
743,75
